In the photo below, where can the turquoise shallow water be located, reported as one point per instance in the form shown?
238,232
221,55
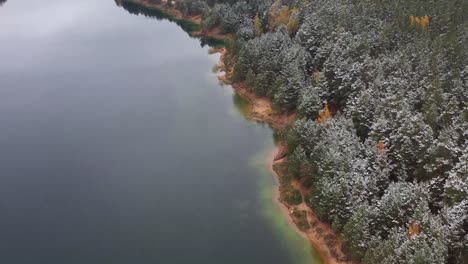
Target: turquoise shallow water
118,145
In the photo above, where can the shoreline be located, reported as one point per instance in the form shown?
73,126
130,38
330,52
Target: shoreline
178,15
315,237
320,235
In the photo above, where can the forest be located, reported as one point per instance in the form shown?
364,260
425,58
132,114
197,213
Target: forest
380,88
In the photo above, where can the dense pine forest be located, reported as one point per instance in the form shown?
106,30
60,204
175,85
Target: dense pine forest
381,90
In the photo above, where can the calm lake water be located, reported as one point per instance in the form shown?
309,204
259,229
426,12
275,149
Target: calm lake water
118,145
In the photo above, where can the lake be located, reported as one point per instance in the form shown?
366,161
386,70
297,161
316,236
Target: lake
118,145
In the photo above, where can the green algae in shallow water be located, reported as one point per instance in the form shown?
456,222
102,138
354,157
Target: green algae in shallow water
300,250
241,105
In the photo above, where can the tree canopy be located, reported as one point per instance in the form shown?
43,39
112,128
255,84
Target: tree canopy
381,92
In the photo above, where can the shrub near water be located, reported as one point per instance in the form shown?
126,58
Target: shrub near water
288,193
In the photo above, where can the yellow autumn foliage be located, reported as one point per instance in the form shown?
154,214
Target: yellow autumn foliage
316,75
283,15
381,147
258,26
274,10
293,23
421,23
324,114
413,230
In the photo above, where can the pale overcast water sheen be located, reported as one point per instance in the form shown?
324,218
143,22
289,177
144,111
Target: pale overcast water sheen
118,145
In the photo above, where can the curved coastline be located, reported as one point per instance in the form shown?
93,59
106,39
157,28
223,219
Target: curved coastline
319,234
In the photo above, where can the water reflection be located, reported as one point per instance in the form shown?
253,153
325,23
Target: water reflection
137,9
117,141
157,14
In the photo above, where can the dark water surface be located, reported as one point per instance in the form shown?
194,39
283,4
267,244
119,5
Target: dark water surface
118,145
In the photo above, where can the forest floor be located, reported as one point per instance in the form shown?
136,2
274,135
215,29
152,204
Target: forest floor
300,217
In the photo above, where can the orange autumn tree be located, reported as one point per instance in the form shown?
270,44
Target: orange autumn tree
420,23
324,114
413,230
381,147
